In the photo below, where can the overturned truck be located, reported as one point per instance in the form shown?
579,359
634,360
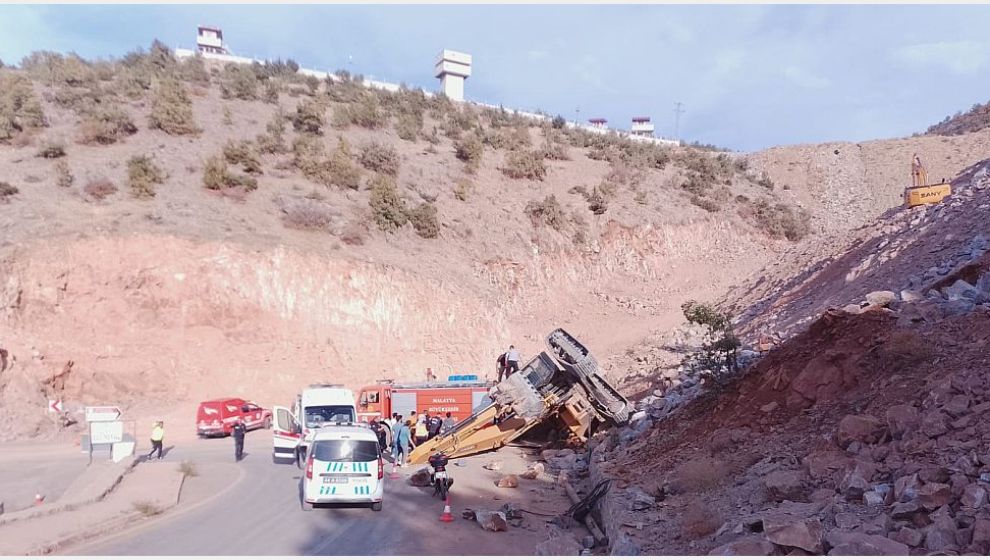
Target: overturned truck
562,391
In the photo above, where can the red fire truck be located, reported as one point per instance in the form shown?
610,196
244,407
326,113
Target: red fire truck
459,397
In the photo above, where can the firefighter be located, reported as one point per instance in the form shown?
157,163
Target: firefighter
157,437
238,433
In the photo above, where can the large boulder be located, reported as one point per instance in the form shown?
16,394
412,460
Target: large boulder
974,496
981,531
624,546
934,424
508,481
934,495
902,419
863,428
562,545
420,477
906,488
787,530
961,289
784,485
881,298
909,536
845,543
492,521
751,545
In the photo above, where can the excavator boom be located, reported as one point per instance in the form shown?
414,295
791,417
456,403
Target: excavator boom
568,392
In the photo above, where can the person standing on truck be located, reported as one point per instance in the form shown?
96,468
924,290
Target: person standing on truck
447,425
500,367
238,433
511,361
157,437
433,426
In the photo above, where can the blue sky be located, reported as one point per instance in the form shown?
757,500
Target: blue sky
749,76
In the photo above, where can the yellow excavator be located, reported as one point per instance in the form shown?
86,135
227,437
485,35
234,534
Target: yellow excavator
562,391
920,192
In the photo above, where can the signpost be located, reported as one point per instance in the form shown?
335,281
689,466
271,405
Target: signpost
102,413
55,406
104,426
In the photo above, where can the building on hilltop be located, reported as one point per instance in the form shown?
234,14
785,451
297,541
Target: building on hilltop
453,68
210,40
641,126
599,123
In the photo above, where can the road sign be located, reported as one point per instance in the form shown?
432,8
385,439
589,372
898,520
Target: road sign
55,405
102,413
106,432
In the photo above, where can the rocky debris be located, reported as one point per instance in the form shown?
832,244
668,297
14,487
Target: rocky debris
624,546
420,477
561,545
861,428
750,545
902,419
844,543
787,530
533,471
934,424
639,499
908,536
974,496
784,485
881,298
933,495
508,481
494,465
492,520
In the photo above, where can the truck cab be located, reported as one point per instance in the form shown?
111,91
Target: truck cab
316,407
460,395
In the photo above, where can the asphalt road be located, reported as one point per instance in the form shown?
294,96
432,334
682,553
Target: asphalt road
259,513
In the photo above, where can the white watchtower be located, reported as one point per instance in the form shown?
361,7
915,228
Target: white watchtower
641,126
453,68
210,40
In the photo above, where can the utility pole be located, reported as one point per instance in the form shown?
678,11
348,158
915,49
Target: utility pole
577,117
678,111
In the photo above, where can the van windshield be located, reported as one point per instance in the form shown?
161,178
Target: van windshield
345,451
316,415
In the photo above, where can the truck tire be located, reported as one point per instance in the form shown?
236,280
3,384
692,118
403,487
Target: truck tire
268,422
377,506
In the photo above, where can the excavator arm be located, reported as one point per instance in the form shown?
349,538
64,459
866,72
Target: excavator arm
567,392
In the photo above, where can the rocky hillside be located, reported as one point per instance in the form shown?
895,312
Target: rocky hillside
862,432
976,119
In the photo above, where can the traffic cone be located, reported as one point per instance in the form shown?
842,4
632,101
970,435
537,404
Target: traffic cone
38,499
395,473
446,516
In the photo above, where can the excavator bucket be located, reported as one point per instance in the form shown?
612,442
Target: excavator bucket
567,391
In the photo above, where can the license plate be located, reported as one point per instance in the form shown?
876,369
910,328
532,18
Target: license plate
335,480
441,474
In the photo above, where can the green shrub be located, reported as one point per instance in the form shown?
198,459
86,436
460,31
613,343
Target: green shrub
309,117
706,204
143,175
52,149
340,170
387,207
380,158
780,221
424,220
20,109
546,212
270,94
273,140
409,126
217,177
525,165
307,214
244,154
238,81
6,191
193,69
555,151
598,201
171,109
368,114
469,149
717,355
558,122
307,156
106,126
63,175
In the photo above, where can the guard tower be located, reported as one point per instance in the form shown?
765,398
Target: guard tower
599,123
453,68
641,126
210,40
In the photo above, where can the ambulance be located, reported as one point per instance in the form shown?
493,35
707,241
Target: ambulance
344,466
316,407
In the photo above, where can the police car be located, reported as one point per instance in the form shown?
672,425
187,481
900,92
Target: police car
344,466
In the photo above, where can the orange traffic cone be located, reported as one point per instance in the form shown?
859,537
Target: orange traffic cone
446,516
38,499
395,473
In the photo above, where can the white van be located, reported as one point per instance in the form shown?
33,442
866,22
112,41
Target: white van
315,407
344,466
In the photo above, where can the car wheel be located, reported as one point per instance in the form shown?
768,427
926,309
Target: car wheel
268,423
306,506
377,506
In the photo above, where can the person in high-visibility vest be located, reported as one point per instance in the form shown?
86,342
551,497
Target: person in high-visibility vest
157,436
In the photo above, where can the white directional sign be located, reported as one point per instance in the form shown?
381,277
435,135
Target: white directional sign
102,413
55,405
106,432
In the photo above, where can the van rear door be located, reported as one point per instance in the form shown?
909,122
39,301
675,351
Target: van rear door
286,434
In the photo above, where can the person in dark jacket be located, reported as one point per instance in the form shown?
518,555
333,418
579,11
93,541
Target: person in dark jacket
433,425
500,367
238,433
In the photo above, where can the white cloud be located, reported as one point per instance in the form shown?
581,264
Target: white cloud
960,57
